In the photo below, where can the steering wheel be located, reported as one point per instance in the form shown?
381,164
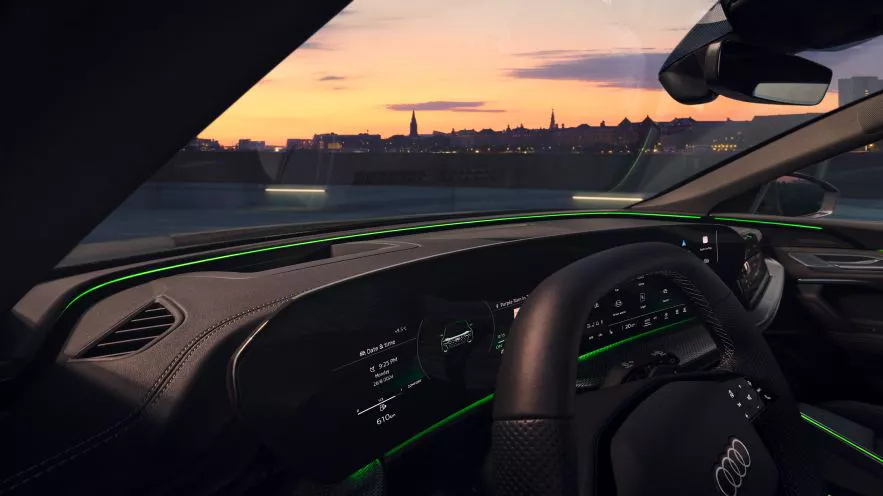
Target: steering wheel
673,435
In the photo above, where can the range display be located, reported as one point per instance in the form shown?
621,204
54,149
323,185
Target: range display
384,371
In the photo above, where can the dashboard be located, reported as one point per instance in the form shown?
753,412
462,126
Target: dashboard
362,369
319,359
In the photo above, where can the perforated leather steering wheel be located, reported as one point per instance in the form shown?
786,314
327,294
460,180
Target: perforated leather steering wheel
677,434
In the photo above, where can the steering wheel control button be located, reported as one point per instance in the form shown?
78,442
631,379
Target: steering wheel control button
745,397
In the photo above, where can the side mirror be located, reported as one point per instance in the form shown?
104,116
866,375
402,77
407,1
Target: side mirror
744,72
797,195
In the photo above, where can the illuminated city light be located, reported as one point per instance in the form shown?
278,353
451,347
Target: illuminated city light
273,189
632,199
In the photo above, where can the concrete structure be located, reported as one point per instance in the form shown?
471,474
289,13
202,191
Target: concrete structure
858,87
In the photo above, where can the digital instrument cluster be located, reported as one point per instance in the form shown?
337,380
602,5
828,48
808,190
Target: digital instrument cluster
391,359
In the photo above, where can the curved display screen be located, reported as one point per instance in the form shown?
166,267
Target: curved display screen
456,350
371,367
636,307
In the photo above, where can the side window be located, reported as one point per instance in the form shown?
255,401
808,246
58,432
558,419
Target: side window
848,186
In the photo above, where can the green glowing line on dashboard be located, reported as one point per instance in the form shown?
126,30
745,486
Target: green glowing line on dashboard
361,475
767,222
376,233
465,410
441,423
584,357
843,439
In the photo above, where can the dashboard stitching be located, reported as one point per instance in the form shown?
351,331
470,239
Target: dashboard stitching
150,397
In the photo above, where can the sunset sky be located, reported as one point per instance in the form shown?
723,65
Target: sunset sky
478,64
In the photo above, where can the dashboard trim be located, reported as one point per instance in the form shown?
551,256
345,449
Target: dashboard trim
378,233
768,223
840,437
427,227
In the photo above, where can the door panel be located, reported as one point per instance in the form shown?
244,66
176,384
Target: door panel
835,319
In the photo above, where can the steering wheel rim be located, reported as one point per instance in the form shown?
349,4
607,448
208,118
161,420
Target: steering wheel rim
533,434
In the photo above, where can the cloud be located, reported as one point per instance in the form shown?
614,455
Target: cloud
355,20
332,78
478,111
638,68
858,60
552,54
612,70
313,45
447,106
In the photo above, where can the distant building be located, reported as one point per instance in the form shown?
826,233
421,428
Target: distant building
203,145
413,133
856,88
552,124
298,144
351,143
247,145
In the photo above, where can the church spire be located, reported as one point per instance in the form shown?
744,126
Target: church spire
413,132
552,124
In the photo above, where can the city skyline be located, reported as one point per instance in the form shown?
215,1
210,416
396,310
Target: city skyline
414,128
482,64
679,135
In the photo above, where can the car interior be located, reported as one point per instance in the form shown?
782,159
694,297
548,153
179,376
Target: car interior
721,336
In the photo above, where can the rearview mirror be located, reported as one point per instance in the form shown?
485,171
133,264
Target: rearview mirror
744,72
797,195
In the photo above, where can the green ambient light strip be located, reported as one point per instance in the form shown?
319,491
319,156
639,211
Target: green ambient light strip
583,358
843,439
377,233
767,222
360,476
450,418
427,227
465,410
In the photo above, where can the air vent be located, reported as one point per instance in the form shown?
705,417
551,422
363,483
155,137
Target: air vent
134,334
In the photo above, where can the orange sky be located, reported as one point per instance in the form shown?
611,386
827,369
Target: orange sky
590,60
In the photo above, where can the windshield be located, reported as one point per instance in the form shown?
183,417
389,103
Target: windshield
401,109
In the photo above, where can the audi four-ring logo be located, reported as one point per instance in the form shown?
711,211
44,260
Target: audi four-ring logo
732,469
